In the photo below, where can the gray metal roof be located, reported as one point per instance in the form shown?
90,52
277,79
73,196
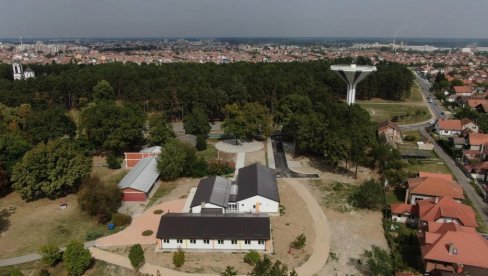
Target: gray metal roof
155,149
255,180
213,190
142,176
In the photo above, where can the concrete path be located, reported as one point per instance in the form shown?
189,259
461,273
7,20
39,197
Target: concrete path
321,245
242,147
145,221
269,151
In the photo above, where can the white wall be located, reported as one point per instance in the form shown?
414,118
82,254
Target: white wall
198,209
413,198
213,245
266,205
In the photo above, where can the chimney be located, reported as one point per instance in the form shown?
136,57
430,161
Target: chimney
452,249
202,205
436,200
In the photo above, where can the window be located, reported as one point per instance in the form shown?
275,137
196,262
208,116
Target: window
206,241
193,241
247,241
234,241
166,240
179,241
232,206
220,241
261,242
254,206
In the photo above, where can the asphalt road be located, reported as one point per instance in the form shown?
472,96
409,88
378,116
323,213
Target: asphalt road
282,169
462,179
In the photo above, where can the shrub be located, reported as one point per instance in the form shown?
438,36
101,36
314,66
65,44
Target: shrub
229,271
219,168
44,272
136,256
410,138
201,143
299,242
114,162
147,233
252,257
179,258
99,200
15,272
76,258
369,195
51,254
93,235
121,219
158,212
378,261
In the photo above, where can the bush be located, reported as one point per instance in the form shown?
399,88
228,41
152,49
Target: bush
378,261
147,233
179,258
44,272
51,254
252,257
229,271
158,212
410,138
201,143
136,256
369,195
219,168
93,235
76,258
99,200
15,272
114,162
299,242
121,219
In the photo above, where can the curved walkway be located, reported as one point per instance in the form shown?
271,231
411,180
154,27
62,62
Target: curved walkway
229,146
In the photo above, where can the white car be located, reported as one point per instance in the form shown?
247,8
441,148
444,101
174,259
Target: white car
432,122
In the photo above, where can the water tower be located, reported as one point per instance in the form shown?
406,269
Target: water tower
352,74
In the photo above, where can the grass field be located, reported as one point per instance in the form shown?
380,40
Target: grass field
434,165
209,154
407,113
414,133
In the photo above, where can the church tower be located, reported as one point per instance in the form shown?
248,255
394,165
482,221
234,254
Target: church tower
18,72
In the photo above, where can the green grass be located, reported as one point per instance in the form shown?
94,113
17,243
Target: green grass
395,196
386,111
163,189
433,165
209,154
414,133
415,94
335,195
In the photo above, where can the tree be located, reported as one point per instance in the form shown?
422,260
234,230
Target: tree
51,254
299,242
201,143
159,130
266,267
99,199
235,121
76,258
378,261
369,195
177,159
12,147
178,258
112,127
4,182
103,92
50,170
196,123
245,121
229,271
136,256
50,124
252,257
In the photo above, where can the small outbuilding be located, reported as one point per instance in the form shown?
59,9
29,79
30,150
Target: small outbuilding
137,184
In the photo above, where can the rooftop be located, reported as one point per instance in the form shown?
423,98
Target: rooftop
142,176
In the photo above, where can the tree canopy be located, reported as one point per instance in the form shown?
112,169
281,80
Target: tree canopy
196,122
50,170
50,124
159,130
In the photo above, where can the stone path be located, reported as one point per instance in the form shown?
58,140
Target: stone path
145,221
242,147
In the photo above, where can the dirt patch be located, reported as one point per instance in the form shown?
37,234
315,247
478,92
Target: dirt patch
256,157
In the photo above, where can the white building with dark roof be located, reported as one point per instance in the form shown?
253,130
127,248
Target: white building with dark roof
255,191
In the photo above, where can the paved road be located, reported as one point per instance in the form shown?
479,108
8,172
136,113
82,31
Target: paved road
282,169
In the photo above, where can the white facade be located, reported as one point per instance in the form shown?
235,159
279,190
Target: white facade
258,204
17,71
212,244
402,218
29,74
198,209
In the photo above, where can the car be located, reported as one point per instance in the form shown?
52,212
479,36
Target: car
431,101
432,122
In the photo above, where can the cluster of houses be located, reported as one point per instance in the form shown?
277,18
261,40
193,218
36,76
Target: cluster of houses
389,132
447,227
467,95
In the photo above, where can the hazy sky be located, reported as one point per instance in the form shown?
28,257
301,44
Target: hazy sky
221,18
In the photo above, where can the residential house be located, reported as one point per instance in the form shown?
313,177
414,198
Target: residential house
468,126
445,210
214,232
474,102
464,90
430,186
255,191
389,132
477,141
448,127
403,212
478,171
137,184
451,249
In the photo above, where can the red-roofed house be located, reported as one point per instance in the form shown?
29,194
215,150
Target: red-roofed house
448,127
438,175
402,212
474,102
464,90
477,140
390,132
445,210
421,188
132,158
454,249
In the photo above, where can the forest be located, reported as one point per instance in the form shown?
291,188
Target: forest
177,88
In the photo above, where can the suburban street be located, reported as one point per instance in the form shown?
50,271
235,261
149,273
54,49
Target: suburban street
463,180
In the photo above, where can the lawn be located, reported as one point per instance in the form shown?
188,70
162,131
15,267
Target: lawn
209,154
336,195
433,165
414,133
395,196
163,189
407,113
415,94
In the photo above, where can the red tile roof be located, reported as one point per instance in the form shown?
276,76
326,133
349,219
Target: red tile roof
446,207
473,103
403,208
438,175
463,89
450,124
478,138
471,248
434,186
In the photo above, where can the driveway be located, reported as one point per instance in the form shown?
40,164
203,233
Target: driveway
145,221
281,164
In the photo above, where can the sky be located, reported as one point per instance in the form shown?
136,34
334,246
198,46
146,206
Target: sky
244,18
